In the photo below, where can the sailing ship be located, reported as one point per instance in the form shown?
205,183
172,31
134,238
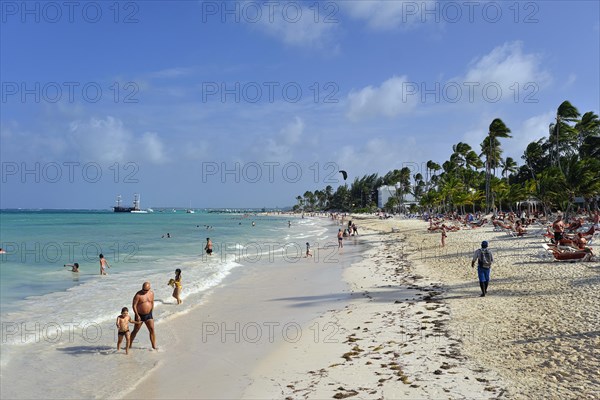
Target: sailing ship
135,209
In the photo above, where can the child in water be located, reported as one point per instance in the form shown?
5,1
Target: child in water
103,265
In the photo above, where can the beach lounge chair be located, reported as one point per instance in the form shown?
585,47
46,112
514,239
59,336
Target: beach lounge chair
595,238
571,255
510,232
547,252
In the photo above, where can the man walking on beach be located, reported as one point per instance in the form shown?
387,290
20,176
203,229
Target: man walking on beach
143,304
484,265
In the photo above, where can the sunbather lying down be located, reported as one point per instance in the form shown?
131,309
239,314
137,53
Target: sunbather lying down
519,229
502,225
478,224
573,226
578,241
445,227
569,255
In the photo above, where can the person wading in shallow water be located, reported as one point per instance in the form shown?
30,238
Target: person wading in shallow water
143,304
208,247
103,265
484,259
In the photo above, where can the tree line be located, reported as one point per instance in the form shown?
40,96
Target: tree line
555,171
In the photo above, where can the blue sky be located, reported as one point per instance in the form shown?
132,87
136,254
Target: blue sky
249,104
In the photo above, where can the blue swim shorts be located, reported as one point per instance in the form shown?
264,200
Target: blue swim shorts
484,274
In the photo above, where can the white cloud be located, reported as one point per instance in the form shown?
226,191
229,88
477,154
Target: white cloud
174,72
101,140
107,140
379,155
280,146
153,147
506,74
293,23
196,150
390,99
570,81
293,131
509,68
19,144
530,130
385,14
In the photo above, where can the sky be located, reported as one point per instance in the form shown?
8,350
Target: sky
215,104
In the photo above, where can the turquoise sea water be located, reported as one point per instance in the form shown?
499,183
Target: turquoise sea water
38,244
45,309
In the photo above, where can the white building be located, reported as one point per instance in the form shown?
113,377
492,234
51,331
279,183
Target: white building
385,192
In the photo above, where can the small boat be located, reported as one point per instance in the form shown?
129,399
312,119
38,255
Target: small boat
189,210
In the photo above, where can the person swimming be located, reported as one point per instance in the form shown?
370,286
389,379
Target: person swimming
74,267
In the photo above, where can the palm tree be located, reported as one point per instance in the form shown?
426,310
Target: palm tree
460,151
419,187
320,199
472,160
474,197
451,190
300,201
434,167
491,149
561,133
400,178
328,195
309,199
581,178
500,189
588,130
589,125
508,166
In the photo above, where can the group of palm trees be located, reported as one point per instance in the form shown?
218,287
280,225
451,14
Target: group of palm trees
559,171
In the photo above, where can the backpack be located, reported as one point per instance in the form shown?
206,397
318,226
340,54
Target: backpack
485,258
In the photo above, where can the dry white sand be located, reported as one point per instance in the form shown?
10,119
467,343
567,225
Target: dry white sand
390,340
538,328
536,335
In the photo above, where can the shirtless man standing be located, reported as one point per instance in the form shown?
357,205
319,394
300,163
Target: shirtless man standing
143,304
559,229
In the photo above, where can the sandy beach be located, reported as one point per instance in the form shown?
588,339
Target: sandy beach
211,350
404,320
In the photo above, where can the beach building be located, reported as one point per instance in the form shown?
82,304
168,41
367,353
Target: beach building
385,192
